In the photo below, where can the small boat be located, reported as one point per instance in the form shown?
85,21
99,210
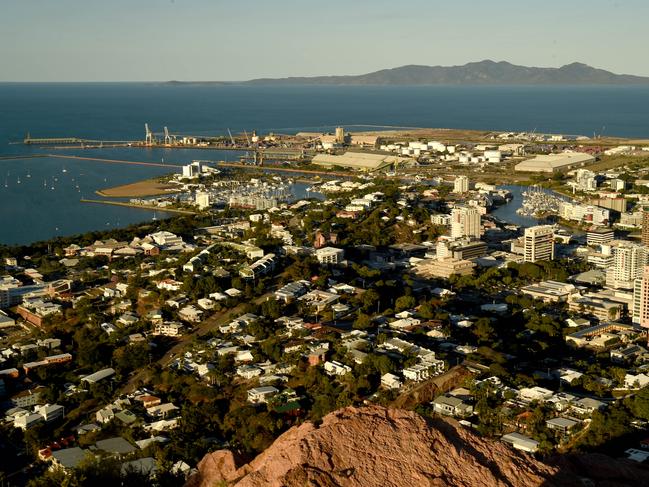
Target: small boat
18,181
64,170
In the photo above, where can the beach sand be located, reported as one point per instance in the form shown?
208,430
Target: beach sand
148,187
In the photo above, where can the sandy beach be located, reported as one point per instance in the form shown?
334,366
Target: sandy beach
148,187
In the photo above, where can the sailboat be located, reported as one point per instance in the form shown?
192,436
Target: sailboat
18,180
29,175
154,216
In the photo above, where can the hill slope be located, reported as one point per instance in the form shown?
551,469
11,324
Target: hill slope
379,446
479,73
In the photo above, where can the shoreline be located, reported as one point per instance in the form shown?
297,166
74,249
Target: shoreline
141,207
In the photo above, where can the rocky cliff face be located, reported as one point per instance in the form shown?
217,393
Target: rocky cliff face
375,446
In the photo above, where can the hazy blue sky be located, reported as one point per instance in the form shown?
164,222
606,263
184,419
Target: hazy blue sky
112,40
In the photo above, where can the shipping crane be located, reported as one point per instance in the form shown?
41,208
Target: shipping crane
167,136
231,138
148,139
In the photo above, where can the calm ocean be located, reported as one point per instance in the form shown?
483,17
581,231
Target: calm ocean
32,210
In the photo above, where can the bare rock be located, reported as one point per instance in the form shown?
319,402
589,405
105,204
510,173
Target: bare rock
376,446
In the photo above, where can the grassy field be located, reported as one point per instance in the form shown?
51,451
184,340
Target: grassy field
612,162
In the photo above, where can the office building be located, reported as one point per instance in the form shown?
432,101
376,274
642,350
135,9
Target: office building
645,228
599,235
629,259
461,184
585,180
340,135
12,291
203,200
538,243
465,222
444,267
617,205
641,299
193,170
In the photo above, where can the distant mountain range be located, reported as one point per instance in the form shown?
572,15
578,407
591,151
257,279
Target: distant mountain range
479,73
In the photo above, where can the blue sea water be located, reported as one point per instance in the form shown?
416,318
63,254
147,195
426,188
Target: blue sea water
31,210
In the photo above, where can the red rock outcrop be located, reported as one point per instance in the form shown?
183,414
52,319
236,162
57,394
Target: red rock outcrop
376,446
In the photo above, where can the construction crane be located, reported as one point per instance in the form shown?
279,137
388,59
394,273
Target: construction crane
148,139
231,138
167,136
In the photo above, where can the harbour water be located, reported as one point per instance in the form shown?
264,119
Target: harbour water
42,195
117,111
508,212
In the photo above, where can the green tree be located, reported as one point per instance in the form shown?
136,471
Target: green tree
405,302
362,321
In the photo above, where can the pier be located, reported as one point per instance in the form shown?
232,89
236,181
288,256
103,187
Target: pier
54,140
29,140
113,161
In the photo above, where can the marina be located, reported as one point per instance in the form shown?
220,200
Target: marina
539,202
208,111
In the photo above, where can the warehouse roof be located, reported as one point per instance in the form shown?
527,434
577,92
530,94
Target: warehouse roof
358,160
554,162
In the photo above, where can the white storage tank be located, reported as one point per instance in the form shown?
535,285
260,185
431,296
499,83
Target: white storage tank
493,155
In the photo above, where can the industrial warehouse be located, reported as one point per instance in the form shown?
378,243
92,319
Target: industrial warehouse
554,162
360,161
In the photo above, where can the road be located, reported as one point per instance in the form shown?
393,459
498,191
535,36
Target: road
424,392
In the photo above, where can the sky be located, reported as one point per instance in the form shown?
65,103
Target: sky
192,40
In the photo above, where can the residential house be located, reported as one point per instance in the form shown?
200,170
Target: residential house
562,425
290,292
190,313
452,406
391,381
336,368
260,395
521,442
